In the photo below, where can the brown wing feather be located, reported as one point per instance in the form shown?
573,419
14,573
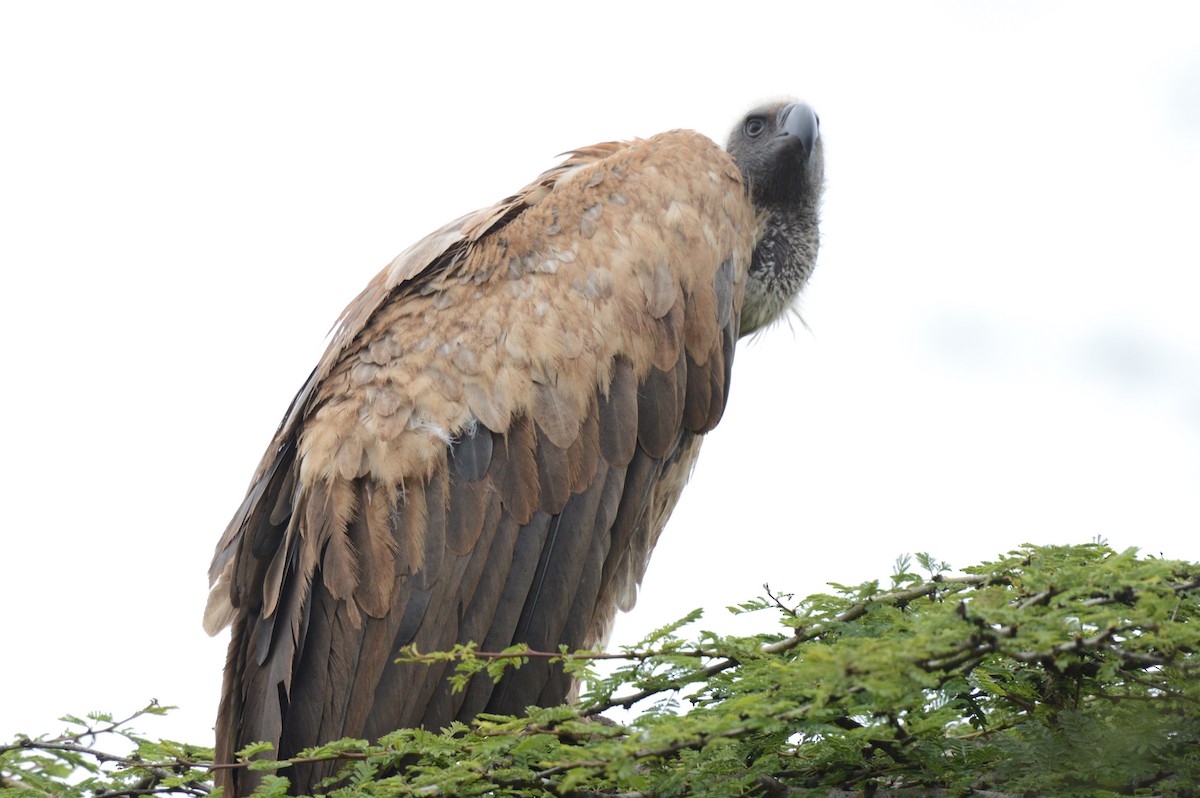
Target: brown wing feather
487,451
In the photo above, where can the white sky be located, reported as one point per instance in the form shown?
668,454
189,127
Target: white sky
1003,342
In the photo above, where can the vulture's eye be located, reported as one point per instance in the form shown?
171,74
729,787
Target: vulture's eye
754,126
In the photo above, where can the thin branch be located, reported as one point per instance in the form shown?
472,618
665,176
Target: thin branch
776,599
1079,644
529,653
802,635
1039,598
100,756
12,784
1129,595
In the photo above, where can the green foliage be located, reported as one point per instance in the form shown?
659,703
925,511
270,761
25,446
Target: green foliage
1067,671
67,766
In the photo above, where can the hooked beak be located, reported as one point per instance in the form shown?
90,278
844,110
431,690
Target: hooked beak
801,121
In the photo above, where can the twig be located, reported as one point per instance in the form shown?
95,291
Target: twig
631,656
802,635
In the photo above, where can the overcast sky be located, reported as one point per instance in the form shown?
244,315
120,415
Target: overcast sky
1001,343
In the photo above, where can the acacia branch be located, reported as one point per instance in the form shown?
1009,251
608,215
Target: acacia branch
802,635
155,771
530,653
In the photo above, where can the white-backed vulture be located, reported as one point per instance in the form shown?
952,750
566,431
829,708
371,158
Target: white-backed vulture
498,431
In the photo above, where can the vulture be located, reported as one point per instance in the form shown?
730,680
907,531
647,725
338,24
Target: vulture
500,427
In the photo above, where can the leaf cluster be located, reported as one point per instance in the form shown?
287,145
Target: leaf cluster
68,765
1068,671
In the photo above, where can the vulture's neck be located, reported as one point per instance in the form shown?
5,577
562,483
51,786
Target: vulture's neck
782,262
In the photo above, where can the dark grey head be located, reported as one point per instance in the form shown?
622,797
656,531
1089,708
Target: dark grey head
778,149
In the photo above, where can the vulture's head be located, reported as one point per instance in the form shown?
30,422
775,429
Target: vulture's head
778,149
